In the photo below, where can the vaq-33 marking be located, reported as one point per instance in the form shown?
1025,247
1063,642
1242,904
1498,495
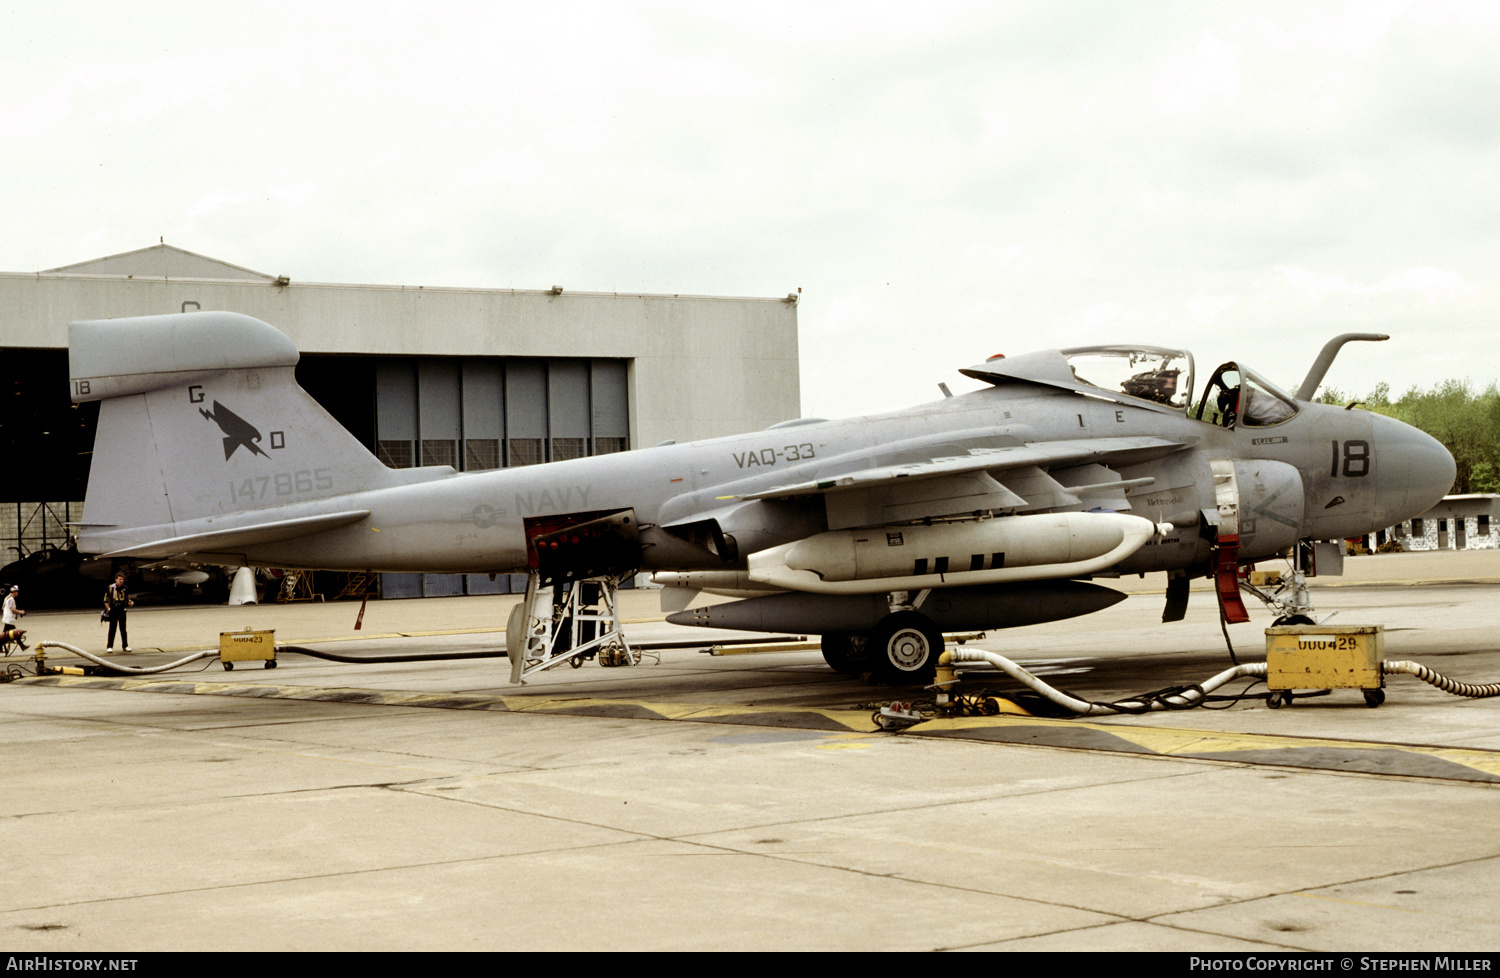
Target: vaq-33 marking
987,510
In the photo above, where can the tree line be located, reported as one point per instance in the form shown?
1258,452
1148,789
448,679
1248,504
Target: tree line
1466,421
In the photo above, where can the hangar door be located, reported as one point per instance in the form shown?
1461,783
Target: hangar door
493,412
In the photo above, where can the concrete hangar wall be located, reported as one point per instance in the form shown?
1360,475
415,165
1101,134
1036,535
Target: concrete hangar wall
470,377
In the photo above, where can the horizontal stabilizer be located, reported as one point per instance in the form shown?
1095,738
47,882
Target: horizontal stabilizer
245,536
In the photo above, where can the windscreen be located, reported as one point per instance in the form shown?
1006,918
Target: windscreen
1262,403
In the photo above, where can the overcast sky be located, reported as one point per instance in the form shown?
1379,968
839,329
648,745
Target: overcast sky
942,181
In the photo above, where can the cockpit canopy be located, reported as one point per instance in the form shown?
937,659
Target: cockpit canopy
1233,396
1152,373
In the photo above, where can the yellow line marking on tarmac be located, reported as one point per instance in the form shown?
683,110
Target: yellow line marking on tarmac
856,723
1179,742
1489,764
858,720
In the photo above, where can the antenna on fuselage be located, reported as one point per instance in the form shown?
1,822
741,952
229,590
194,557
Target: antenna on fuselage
1325,360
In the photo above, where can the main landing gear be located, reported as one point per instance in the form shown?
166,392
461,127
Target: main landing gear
902,649
846,653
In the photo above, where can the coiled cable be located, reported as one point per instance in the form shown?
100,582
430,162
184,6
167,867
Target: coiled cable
1439,680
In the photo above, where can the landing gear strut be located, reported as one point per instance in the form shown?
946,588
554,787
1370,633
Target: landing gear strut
1291,599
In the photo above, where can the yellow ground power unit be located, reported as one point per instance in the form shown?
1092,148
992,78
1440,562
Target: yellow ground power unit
247,646
1320,657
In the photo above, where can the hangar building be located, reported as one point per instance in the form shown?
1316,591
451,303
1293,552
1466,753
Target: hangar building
473,378
1471,516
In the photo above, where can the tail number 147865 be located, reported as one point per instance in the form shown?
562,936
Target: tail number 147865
281,483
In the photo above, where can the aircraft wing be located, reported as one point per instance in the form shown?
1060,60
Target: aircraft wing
1052,454
1023,478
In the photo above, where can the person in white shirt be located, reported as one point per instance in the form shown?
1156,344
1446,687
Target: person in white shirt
12,619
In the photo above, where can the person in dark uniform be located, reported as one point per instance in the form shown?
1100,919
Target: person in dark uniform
116,603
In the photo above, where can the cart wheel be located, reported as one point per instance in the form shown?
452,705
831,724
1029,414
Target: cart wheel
1374,697
270,663
1274,700
229,667
576,662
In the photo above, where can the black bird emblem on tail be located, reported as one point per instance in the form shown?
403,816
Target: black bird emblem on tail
237,431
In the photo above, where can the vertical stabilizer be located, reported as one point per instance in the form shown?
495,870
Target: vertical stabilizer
202,420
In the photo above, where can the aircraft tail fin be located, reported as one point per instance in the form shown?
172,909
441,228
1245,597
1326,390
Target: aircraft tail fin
203,426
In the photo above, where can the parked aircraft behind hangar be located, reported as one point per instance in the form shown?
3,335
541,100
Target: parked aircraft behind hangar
987,510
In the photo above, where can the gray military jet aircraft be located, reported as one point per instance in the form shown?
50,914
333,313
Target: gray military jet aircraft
983,511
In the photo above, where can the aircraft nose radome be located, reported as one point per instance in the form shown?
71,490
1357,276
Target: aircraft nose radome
1434,471
1416,470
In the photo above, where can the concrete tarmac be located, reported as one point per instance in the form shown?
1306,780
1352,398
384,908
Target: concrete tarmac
747,802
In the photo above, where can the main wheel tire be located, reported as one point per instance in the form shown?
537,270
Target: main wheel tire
904,649
846,654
